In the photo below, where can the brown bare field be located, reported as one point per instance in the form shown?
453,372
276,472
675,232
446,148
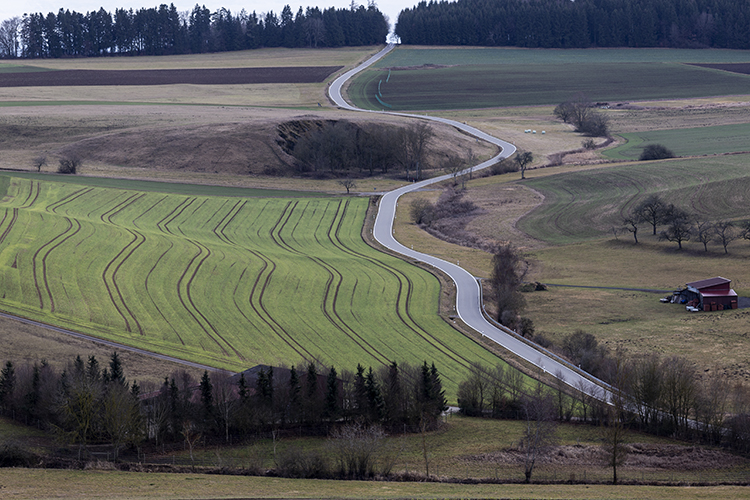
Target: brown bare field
198,76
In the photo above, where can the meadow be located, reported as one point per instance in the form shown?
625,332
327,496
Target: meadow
419,79
229,282
587,204
686,142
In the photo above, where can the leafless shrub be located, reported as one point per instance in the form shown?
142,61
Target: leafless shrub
354,447
69,164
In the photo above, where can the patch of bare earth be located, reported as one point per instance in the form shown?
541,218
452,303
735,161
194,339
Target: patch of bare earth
640,456
197,76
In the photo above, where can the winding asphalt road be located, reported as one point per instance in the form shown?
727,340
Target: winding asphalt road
468,293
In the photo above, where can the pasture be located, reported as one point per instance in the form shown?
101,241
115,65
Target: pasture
414,79
686,142
587,204
229,282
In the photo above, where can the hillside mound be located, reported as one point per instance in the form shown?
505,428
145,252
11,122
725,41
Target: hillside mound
232,148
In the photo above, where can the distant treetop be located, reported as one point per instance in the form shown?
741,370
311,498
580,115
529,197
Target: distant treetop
578,24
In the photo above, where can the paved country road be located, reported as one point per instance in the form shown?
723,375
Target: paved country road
468,293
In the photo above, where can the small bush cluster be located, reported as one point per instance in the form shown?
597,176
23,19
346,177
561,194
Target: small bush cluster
655,152
580,112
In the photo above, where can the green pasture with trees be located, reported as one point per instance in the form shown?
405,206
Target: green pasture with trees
584,205
229,282
423,80
686,142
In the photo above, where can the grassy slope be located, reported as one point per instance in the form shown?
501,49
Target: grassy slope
228,282
42,484
587,204
686,142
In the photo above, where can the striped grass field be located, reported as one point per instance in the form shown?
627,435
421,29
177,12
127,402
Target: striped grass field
230,282
480,78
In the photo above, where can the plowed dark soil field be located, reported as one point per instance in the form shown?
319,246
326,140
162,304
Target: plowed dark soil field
224,76
741,68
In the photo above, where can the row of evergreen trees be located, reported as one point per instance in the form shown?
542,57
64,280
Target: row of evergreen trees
83,404
582,23
164,30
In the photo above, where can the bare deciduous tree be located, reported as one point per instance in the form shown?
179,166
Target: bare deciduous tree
69,164
10,30
704,233
523,159
540,427
631,222
725,233
347,184
679,228
505,280
652,210
614,430
38,162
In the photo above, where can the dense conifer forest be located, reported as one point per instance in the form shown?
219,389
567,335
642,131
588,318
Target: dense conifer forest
578,24
165,30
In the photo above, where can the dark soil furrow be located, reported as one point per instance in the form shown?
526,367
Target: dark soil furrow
263,312
187,305
140,77
176,213
28,195
224,222
106,217
36,195
51,246
109,288
422,332
190,298
12,222
161,225
147,211
35,267
140,239
148,291
275,232
52,207
339,280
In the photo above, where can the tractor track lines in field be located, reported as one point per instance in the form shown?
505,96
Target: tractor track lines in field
260,310
188,288
265,316
148,210
52,207
36,194
36,264
339,278
116,296
176,212
151,297
417,329
12,222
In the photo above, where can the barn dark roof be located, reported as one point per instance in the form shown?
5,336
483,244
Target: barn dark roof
710,282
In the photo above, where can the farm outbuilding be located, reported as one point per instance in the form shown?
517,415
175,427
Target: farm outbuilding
712,294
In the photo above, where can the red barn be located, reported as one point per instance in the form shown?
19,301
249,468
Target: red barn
713,294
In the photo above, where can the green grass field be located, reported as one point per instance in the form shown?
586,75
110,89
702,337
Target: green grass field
686,142
587,204
477,78
229,282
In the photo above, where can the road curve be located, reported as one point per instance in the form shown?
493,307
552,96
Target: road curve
468,293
